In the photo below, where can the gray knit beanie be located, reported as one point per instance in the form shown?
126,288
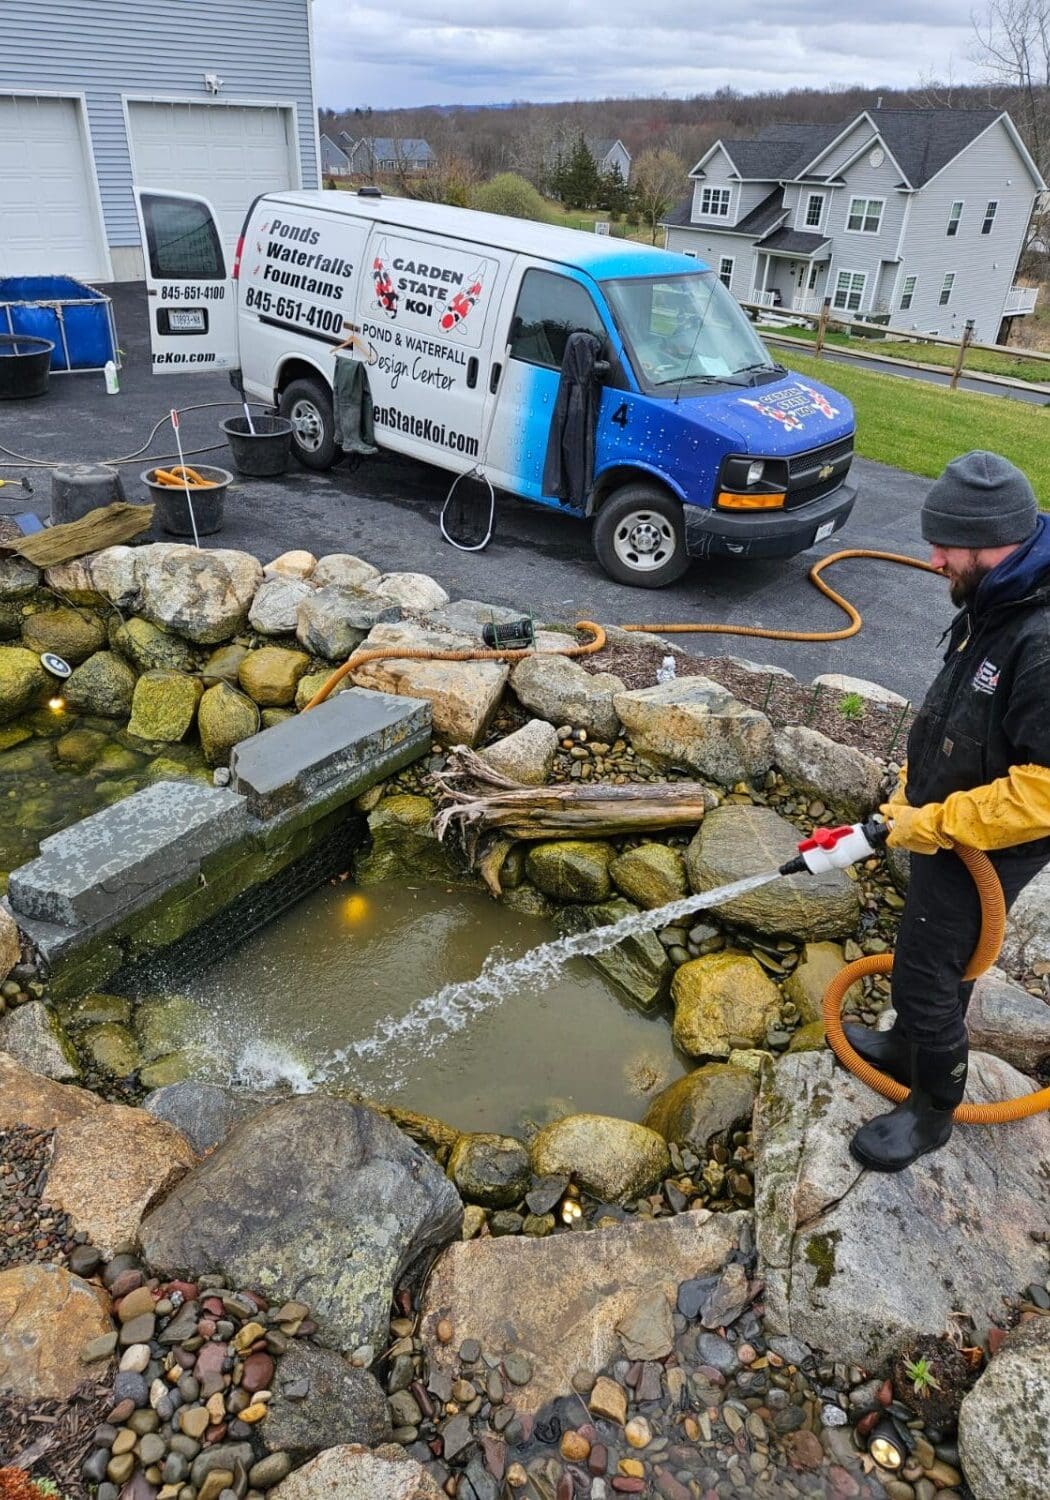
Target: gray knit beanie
981,500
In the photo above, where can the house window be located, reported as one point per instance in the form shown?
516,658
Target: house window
908,293
725,271
946,289
714,202
865,215
989,216
849,290
814,272
814,210
954,216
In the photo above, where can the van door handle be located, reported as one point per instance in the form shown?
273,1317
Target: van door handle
494,378
472,372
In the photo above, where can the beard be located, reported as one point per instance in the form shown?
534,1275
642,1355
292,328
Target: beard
964,583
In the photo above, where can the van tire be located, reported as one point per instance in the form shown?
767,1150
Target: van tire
308,406
639,537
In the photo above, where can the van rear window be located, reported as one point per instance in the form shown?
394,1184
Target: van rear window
181,239
550,307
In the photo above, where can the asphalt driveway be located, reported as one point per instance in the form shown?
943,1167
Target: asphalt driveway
386,510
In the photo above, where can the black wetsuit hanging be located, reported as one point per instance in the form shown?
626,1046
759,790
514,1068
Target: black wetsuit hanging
568,469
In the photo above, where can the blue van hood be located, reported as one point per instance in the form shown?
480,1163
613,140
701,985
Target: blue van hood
785,416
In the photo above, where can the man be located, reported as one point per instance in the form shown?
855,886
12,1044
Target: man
977,773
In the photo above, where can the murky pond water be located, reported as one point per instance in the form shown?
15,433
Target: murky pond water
346,965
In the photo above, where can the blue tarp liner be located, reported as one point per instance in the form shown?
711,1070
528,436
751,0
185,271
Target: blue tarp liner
76,318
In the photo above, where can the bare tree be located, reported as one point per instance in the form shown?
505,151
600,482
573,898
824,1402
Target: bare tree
1012,45
658,178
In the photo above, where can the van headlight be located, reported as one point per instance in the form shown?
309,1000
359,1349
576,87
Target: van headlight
755,471
748,483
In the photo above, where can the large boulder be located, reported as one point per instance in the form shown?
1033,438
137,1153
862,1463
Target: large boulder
314,1198
527,755
205,1113
560,1301
104,686
112,573
862,1262
613,1159
559,690
722,1001
404,845
47,1315
164,706
695,723
275,608
638,965
22,680
490,1169
571,869
74,634
333,622
225,717
1005,1019
150,649
202,595
464,695
706,1103
18,578
342,1404
271,675
34,1037
807,984
650,874
416,593
341,570
873,692
846,779
1004,1423
10,943
738,841
1027,940
355,1473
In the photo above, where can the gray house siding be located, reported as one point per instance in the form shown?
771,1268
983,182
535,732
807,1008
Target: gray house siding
109,49
334,160
861,252
617,155
712,248
830,164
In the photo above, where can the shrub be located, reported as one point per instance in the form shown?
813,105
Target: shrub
509,194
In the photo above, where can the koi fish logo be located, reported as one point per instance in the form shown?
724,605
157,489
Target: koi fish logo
462,303
787,419
386,296
822,404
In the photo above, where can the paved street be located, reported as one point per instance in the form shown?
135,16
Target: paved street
387,509
967,382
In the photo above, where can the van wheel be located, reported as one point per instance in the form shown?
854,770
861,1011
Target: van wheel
308,406
639,537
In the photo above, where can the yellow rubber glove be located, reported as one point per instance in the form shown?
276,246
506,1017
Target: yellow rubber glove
1014,809
899,795
915,828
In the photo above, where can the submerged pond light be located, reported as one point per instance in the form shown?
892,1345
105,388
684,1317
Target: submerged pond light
56,704
885,1445
356,908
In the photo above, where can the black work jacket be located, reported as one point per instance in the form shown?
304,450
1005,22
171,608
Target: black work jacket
989,706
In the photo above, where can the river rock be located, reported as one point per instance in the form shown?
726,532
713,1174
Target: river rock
613,1159
490,1169
312,682
1027,939
203,595
559,690
47,1316
80,748
417,593
571,869
1005,1420
706,1103
342,1404
104,686
275,608
74,634
404,845
298,564
737,841
333,622
111,573
225,717
164,706
719,998
223,664
846,779
464,695
471,615
271,675
806,984
18,578
10,944
874,692
650,875
341,570
1005,1019
953,1231
150,649
111,1049
527,755
695,723
354,1473
558,1301
35,1038
638,965
205,1113
321,1199
22,680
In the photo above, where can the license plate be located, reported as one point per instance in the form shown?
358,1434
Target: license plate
183,320
825,530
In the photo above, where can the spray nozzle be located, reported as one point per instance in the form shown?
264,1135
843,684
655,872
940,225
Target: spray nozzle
836,848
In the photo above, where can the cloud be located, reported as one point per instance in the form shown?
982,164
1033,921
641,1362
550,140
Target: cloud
433,52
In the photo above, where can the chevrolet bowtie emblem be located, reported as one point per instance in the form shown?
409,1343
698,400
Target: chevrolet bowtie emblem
826,471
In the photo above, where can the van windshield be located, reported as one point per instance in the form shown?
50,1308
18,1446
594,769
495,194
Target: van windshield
688,330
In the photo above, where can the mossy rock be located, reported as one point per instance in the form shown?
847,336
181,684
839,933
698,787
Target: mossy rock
706,1103
809,1038
525,898
638,965
403,846
651,875
492,1170
720,998
166,1024
223,665
312,683
572,869
427,1130
173,1067
103,685
80,748
111,1048
96,1009
610,1158
11,617
272,716
149,648
164,706
22,680
116,760
225,717
12,736
73,634
271,675
164,768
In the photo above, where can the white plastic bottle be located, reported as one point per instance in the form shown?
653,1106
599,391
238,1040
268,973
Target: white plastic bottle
112,382
667,672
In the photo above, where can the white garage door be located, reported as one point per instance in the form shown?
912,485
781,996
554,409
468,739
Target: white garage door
228,153
48,209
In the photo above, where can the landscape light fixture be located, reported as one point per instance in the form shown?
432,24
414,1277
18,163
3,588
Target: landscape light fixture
885,1445
56,665
56,704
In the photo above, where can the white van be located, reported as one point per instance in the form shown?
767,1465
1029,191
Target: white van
699,443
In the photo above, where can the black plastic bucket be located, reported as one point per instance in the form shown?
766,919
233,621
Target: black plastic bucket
264,452
25,366
173,512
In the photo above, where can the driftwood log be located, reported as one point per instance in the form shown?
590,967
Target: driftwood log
490,812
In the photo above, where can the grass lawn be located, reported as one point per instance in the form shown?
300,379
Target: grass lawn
586,218
922,427
1014,365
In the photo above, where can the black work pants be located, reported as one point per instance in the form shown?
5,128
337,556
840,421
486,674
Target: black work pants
938,933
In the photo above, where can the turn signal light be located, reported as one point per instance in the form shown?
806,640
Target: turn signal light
772,500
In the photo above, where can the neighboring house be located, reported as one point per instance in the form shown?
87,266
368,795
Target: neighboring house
377,155
214,97
608,154
918,216
334,160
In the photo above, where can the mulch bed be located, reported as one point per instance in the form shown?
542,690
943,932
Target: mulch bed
51,1438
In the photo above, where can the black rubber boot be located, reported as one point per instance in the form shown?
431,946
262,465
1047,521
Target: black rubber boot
924,1121
886,1050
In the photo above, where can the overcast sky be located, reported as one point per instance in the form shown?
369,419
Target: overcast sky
406,52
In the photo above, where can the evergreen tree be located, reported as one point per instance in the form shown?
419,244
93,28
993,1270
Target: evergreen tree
612,191
581,181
